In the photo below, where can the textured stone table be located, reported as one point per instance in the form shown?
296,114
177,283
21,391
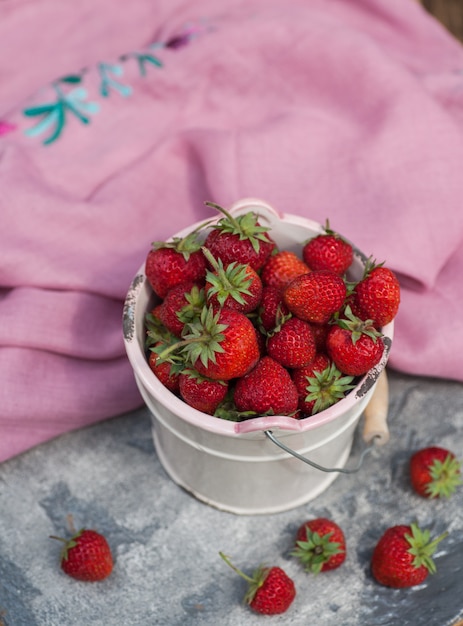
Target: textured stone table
166,543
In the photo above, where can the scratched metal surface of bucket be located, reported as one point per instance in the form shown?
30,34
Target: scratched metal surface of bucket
235,466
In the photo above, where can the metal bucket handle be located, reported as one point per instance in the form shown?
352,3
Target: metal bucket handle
342,470
375,429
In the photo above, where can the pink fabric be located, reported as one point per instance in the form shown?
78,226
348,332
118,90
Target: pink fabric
347,109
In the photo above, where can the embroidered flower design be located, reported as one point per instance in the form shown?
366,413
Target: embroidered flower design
6,127
51,117
54,114
107,72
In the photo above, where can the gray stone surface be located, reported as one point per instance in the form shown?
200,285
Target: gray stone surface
166,543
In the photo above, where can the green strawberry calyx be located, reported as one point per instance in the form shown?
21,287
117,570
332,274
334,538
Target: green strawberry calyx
232,281
203,341
356,326
422,548
327,387
68,543
244,226
191,311
183,245
329,231
255,581
445,477
156,331
370,265
316,550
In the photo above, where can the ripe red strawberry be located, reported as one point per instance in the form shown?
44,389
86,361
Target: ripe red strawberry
270,592
236,286
220,345
354,345
86,556
201,393
402,556
266,390
320,332
170,263
320,385
435,472
328,251
281,268
292,344
182,305
272,310
316,296
377,295
163,371
320,545
239,239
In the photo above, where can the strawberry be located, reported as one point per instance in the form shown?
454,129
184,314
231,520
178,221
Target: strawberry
435,472
86,556
220,345
377,295
170,263
402,556
281,268
320,333
272,310
316,296
201,393
354,345
266,390
270,592
163,371
182,305
320,545
328,251
292,344
320,385
236,286
239,239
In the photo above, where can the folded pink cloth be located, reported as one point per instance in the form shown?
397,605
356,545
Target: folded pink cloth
117,125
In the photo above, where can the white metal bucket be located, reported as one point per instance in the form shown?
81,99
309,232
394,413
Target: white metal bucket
235,466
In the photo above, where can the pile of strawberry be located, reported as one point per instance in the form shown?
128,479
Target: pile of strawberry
244,329
401,557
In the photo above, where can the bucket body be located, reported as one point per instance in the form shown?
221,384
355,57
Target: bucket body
234,466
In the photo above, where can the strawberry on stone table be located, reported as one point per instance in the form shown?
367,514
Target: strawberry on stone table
270,590
403,556
328,251
435,472
170,263
320,545
86,556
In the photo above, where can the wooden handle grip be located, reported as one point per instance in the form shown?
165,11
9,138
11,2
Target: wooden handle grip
375,424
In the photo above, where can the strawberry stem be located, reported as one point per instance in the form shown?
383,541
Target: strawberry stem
213,205
235,569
